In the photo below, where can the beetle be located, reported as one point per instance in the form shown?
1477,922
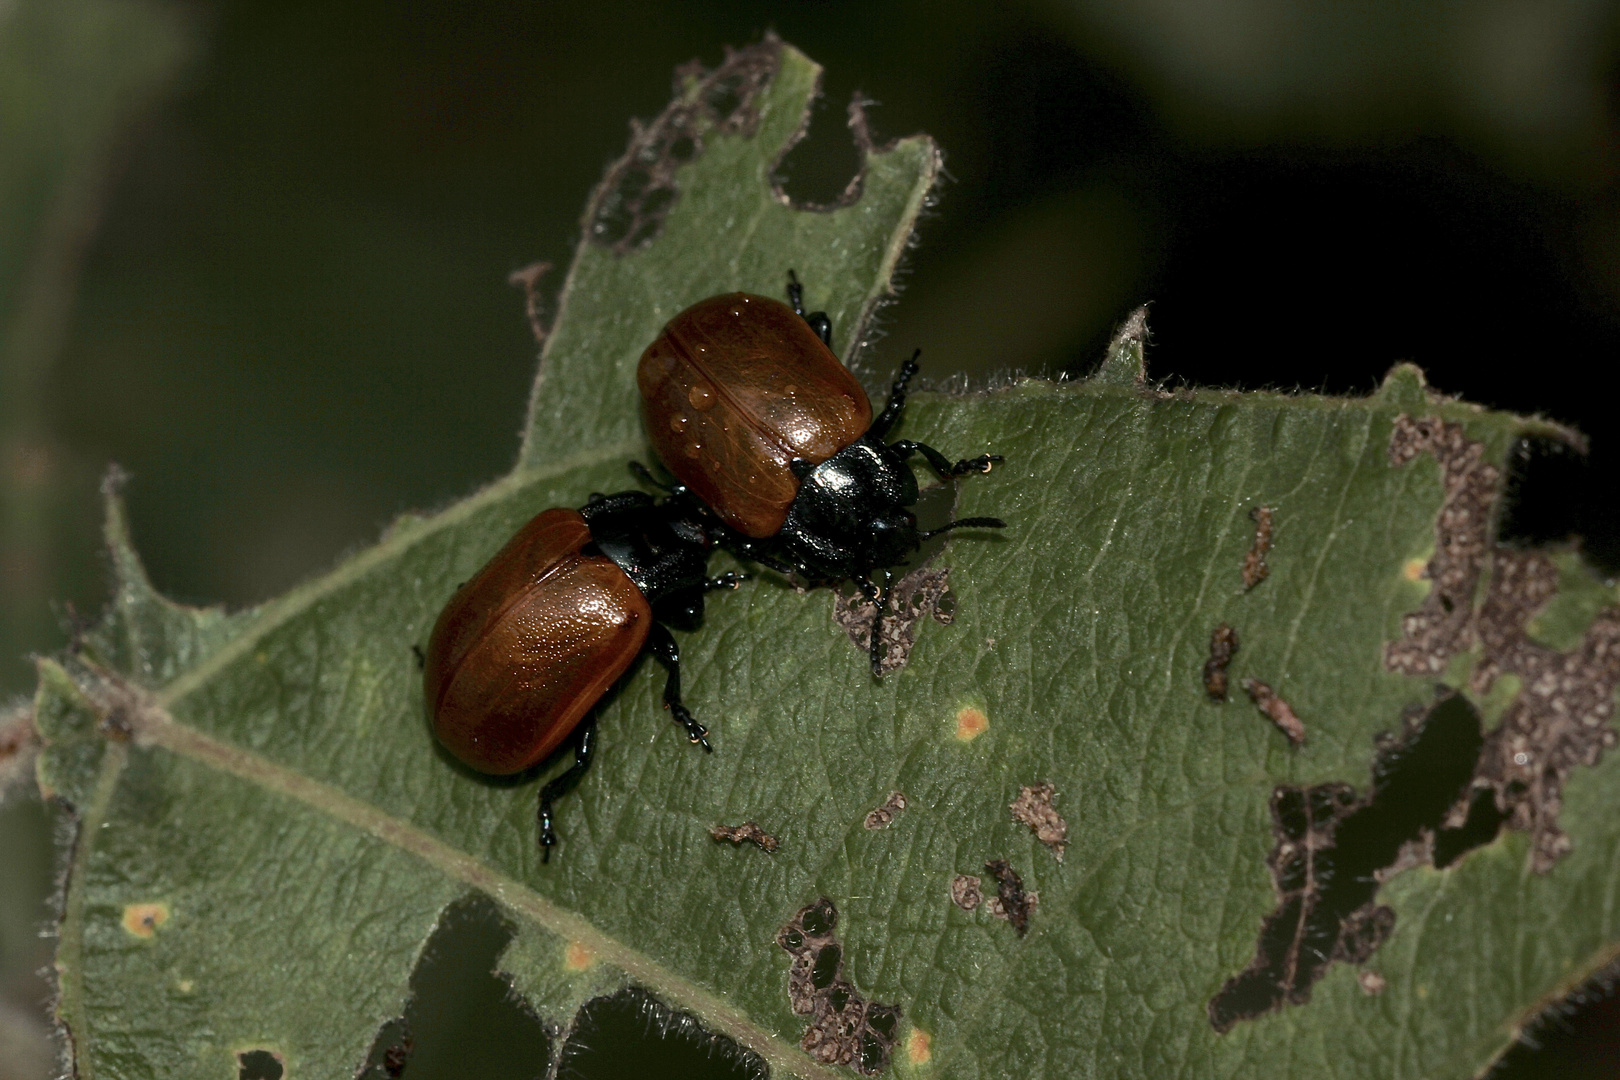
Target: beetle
524,650
745,403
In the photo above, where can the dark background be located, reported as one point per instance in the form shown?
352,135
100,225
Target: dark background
291,321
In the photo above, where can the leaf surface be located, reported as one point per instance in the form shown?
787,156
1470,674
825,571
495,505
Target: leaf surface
268,833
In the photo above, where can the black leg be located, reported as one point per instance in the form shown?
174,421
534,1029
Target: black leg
751,550
662,646
897,399
965,523
879,595
942,464
818,320
584,748
728,580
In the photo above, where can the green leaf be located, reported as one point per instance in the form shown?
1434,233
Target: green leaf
268,833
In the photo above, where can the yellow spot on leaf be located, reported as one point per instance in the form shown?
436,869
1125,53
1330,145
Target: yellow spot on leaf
918,1046
1413,569
185,986
578,957
142,920
971,723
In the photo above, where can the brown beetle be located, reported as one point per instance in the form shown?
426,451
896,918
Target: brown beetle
747,405
523,651
733,391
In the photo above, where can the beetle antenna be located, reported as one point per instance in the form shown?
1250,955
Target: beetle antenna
897,399
966,523
795,294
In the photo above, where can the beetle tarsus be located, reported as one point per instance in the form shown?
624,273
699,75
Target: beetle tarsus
696,733
584,750
981,464
942,464
728,580
663,648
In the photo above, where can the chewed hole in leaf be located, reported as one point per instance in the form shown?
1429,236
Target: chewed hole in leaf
259,1065
632,1033
824,168
1334,849
1548,483
640,189
462,1020
1483,821
844,1028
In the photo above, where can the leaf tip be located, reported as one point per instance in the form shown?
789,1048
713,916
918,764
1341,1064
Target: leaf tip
1405,387
1125,362
127,569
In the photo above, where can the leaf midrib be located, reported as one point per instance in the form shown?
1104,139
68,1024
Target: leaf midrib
155,727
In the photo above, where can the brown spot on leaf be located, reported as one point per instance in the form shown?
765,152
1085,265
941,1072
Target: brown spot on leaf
1277,710
1034,808
1223,645
577,956
844,1029
1016,904
971,723
923,593
1254,563
628,208
966,892
143,920
881,817
1441,626
1334,850
919,1046
747,832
